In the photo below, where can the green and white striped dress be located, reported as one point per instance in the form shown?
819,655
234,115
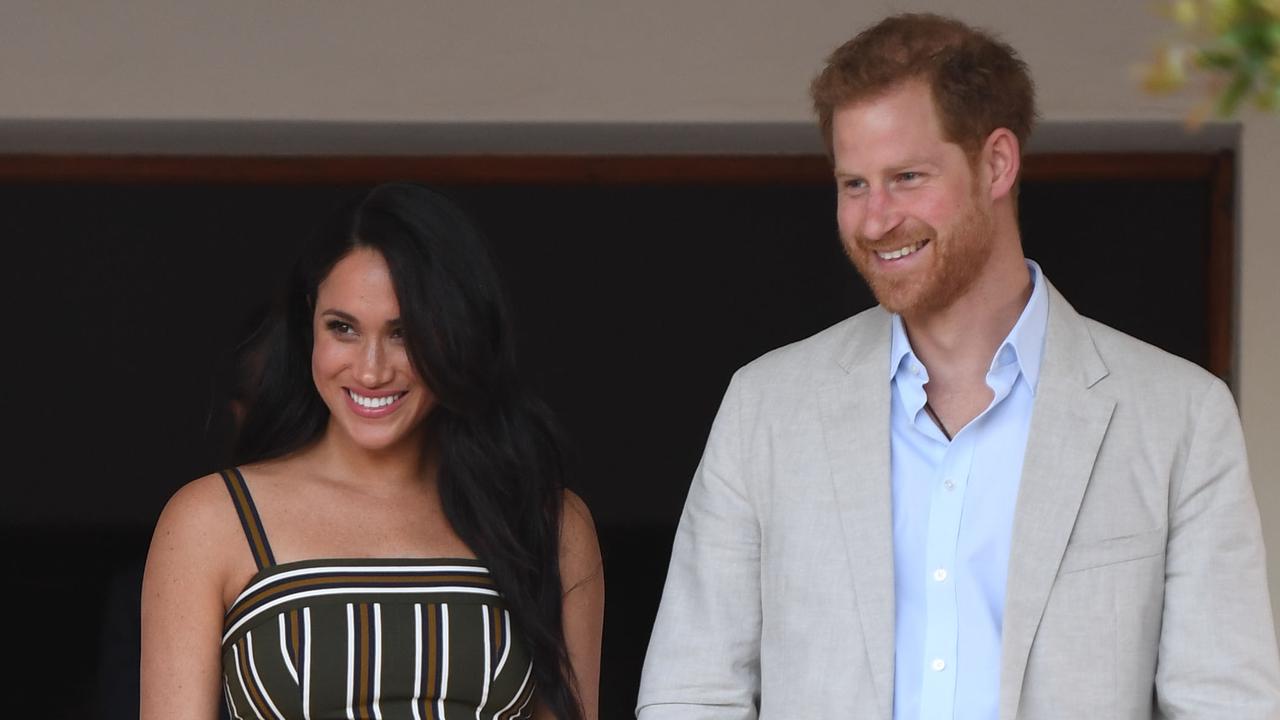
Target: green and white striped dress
368,638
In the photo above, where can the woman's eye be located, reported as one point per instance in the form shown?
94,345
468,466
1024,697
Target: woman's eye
339,327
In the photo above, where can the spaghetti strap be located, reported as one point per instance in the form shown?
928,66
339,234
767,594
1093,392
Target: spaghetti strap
249,520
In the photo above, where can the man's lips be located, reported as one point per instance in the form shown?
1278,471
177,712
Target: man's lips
901,252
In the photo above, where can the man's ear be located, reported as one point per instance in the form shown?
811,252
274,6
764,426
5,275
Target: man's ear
1002,160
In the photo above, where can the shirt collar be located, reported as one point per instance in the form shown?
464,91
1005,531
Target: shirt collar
899,345
1024,344
1026,339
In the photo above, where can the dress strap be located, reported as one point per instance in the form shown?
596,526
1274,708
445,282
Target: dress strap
249,520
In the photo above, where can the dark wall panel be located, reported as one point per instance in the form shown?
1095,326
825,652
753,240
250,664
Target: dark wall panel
633,303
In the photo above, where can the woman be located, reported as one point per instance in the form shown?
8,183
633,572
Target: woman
397,542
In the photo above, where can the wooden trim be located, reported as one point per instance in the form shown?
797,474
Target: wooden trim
1220,268
1118,166
539,169
468,169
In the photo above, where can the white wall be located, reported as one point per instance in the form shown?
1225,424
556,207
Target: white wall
598,61
539,60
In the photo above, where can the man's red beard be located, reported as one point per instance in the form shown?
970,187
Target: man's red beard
952,263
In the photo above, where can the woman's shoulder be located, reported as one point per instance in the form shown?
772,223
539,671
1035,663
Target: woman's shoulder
204,504
576,516
194,536
200,520
580,560
197,507
202,513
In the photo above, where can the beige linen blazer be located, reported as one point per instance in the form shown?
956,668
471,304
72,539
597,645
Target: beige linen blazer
1136,585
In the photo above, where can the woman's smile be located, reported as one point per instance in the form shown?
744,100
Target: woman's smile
371,404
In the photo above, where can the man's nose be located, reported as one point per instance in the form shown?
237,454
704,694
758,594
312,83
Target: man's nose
882,215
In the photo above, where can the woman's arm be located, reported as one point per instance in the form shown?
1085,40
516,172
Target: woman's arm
182,604
582,575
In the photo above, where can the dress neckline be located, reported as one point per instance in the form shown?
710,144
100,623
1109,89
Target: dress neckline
298,579
426,564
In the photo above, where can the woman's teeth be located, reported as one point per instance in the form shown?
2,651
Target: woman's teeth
901,252
373,403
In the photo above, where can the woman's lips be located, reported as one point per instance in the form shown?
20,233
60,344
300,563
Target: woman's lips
374,405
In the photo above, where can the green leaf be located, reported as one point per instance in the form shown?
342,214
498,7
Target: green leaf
1216,60
1234,93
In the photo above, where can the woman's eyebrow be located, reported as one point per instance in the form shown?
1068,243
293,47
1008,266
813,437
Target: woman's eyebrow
341,315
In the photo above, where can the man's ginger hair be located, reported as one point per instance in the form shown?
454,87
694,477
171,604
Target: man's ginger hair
978,82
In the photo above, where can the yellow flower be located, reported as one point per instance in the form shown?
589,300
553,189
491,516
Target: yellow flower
1186,13
1199,115
1223,13
1168,72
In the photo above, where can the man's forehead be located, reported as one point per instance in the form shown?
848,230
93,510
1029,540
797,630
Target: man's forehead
896,127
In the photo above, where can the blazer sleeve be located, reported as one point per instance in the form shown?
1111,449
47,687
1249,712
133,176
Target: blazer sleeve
704,654
1217,656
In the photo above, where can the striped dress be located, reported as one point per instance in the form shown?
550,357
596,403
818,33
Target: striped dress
369,638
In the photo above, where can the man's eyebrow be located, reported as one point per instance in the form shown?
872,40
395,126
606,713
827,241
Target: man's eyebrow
890,170
910,162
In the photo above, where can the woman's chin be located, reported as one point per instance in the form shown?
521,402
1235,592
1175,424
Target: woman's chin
371,439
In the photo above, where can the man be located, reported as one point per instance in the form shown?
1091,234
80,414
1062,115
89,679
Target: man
968,502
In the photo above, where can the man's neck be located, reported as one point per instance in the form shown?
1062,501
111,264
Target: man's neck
957,343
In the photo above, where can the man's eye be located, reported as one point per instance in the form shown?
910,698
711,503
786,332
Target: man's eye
908,176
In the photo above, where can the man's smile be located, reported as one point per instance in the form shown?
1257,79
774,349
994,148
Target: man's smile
902,251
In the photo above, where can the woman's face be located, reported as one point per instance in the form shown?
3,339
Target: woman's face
359,362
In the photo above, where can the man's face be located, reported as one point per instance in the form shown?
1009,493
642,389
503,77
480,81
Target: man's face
910,207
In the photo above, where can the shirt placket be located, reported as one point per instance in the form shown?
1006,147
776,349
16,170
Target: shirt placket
942,612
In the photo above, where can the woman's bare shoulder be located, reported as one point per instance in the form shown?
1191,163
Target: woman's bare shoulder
580,560
188,565
194,547
576,516
198,519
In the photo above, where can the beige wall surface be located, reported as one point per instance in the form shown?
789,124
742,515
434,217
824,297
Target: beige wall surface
662,61
539,60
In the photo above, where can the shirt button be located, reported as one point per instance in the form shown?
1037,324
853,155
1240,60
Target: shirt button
915,370
949,484
938,665
940,574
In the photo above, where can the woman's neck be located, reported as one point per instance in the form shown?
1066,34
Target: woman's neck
407,465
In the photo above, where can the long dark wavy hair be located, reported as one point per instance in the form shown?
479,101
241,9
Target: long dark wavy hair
501,463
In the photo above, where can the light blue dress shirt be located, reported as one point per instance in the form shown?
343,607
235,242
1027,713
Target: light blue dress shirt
953,504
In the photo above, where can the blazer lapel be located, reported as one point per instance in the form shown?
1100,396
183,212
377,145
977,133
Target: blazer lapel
1067,426
855,422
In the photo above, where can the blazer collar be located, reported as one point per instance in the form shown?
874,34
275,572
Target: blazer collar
1068,422
854,408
